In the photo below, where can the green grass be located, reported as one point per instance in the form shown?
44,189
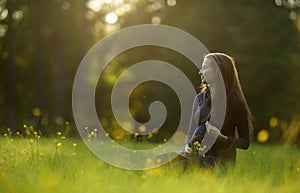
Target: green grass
41,166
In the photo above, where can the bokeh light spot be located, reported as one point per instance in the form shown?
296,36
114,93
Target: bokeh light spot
3,14
156,20
17,15
171,2
3,29
36,112
273,122
65,6
142,128
293,15
263,136
111,18
118,134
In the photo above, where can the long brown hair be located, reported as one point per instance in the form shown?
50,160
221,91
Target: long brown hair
234,92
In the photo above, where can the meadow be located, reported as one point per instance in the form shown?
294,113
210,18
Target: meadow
48,165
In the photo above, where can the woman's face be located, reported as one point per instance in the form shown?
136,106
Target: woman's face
207,71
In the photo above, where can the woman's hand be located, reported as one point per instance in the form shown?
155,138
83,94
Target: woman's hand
187,149
214,131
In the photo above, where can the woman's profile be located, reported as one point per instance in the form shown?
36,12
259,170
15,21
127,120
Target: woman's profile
221,117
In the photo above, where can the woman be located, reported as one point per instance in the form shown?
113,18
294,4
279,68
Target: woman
227,129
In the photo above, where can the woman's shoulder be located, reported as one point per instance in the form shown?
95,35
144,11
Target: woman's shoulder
202,95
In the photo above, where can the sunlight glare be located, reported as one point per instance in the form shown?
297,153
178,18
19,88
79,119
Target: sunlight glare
17,15
123,9
108,29
154,7
171,2
94,5
118,1
89,15
3,29
156,20
65,6
111,18
278,2
3,14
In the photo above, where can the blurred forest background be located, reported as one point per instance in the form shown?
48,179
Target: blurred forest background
42,42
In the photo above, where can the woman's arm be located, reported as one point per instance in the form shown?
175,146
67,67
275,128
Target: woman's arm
192,124
243,142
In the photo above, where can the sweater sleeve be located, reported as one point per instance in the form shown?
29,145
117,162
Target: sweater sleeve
192,124
243,141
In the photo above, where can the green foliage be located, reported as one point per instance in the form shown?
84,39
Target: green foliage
42,48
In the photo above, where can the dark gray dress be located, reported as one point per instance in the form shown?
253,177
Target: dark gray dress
223,151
